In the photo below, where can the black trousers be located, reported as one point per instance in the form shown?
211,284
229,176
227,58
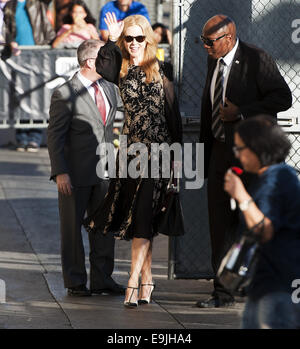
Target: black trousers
222,220
72,210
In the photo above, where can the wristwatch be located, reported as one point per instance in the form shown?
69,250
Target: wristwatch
244,205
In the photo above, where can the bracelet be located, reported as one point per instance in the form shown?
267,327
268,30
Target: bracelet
244,205
259,225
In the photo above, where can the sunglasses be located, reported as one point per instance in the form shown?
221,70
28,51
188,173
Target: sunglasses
210,42
139,38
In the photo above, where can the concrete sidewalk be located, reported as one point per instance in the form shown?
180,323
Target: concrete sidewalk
30,267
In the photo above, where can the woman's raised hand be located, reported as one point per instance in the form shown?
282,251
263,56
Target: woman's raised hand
234,186
115,28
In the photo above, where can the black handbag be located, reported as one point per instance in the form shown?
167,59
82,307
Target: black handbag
170,216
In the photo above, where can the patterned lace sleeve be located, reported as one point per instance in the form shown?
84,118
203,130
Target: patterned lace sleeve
109,61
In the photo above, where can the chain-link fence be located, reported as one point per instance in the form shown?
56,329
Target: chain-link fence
270,24
294,156
273,25
191,253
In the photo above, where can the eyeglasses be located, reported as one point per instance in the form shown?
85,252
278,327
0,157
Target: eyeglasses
210,42
139,38
237,149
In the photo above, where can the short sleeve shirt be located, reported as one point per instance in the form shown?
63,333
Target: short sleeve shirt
136,8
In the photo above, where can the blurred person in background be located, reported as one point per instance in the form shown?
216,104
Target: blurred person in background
61,9
121,9
26,24
271,205
79,26
2,4
162,34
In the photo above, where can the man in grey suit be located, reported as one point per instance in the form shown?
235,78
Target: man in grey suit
82,113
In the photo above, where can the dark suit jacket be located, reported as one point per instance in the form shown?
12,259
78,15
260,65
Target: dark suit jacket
76,129
255,85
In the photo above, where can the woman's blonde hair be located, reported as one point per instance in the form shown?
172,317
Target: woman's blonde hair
149,65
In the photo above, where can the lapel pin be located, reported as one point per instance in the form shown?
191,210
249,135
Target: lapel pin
237,62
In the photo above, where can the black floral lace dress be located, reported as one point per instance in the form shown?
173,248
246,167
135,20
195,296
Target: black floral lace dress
131,204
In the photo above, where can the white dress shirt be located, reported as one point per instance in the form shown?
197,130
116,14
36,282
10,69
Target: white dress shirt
228,60
88,85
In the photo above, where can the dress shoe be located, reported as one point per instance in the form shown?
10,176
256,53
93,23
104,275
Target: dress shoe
116,289
146,300
130,303
215,302
79,291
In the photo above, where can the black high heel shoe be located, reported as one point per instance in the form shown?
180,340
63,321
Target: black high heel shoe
148,299
129,304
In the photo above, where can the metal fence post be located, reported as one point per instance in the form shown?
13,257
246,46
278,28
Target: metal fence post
171,258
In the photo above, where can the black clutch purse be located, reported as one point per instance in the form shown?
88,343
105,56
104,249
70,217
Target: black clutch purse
170,216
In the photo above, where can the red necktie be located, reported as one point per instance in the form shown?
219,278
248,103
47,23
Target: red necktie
100,101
